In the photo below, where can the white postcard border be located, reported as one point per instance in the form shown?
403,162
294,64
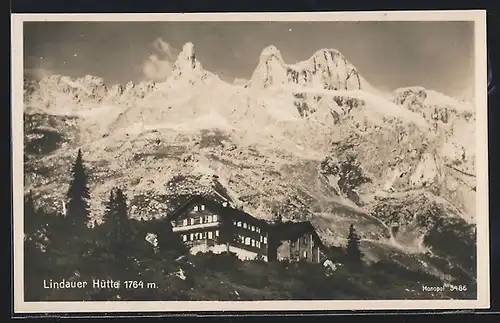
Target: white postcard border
482,222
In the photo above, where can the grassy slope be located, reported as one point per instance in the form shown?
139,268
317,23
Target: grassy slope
224,277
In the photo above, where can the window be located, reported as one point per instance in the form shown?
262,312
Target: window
204,235
247,241
257,243
196,208
292,244
203,207
210,218
214,217
184,238
253,228
260,239
191,237
253,243
258,229
234,223
265,240
239,223
185,222
305,240
192,221
304,254
210,235
244,225
217,233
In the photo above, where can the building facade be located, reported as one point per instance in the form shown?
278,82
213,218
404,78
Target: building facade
208,225
295,241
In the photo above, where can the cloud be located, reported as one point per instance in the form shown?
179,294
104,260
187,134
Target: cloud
156,69
159,67
164,48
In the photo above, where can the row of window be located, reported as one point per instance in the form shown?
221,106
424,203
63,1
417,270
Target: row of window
212,235
246,226
200,236
305,241
251,242
200,220
199,208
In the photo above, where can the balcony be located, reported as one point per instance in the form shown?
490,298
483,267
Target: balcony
190,227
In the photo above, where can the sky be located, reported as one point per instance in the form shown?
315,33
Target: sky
435,55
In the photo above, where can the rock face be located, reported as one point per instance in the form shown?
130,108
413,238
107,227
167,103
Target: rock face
312,140
326,69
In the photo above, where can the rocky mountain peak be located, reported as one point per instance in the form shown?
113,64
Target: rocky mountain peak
270,53
325,69
186,64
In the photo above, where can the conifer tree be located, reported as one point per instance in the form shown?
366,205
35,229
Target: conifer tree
354,255
78,195
117,225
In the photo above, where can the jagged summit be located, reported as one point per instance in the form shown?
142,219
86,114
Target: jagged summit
66,93
326,69
187,68
186,61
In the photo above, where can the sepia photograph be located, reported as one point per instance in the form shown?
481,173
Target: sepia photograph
210,162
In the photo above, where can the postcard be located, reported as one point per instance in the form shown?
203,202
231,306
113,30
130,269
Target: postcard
250,162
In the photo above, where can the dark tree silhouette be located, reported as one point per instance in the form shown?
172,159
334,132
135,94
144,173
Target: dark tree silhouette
117,225
114,247
353,254
78,195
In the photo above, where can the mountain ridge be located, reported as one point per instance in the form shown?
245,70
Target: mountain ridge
187,56
323,146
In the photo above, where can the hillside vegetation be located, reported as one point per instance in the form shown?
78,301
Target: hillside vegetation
65,247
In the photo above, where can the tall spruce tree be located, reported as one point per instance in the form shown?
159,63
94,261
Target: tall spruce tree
353,253
117,225
78,195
